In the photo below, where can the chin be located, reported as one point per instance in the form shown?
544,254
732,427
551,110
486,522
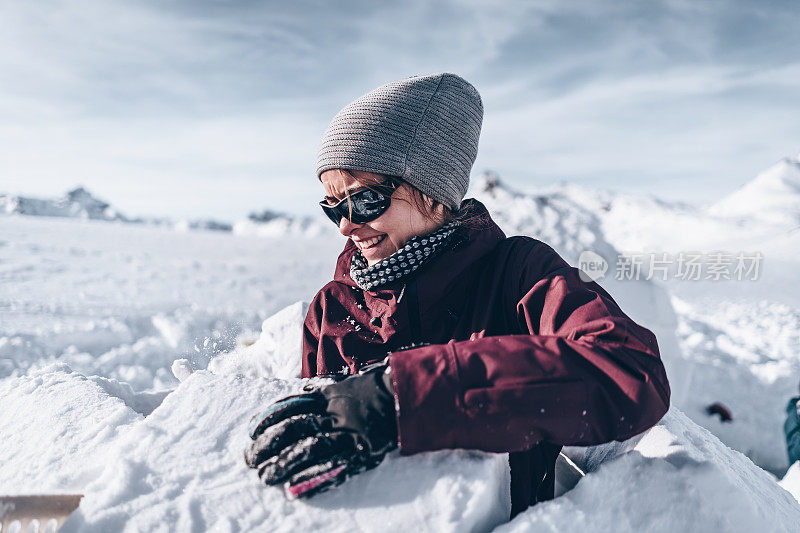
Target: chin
376,258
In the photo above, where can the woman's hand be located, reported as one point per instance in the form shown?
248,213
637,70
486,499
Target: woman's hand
312,442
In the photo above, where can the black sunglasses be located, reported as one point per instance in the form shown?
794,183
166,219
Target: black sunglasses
364,205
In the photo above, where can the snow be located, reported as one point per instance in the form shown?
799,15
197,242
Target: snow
76,203
181,468
82,204
125,300
202,224
276,352
280,226
746,356
773,196
54,425
791,481
674,477
133,355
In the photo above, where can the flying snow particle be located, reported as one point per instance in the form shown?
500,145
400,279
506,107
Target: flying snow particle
181,369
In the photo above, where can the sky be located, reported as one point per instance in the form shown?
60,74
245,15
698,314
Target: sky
201,108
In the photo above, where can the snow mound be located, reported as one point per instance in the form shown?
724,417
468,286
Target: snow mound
182,469
55,426
206,224
640,223
745,355
549,217
270,223
773,196
675,477
276,353
138,351
77,203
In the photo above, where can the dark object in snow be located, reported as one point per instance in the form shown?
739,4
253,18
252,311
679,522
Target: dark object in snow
44,509
791,429
312,442
717,408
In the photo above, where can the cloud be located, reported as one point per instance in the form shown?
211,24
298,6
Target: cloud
215,108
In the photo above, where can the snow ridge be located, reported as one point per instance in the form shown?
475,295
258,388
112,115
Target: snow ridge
76,203
773,196
81,204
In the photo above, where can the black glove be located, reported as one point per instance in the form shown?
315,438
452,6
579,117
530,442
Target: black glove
312,442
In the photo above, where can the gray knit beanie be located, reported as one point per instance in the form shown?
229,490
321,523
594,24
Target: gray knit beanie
423,129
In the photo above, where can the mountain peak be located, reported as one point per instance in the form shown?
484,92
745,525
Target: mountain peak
76,203
773,195
81,197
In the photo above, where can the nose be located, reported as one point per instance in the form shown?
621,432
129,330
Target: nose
346,227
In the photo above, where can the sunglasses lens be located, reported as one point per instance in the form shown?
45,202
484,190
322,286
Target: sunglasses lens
331,213
369,205
364,206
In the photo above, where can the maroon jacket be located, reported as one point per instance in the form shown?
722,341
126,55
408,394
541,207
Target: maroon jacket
522,356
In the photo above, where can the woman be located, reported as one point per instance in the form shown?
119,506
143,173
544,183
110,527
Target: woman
452,335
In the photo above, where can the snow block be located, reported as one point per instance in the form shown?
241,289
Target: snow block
276,353
676,476
182,469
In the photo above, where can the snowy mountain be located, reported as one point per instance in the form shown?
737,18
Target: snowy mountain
565,213
81,204
208,224
269,223
773,196
549,217
637,222
77,203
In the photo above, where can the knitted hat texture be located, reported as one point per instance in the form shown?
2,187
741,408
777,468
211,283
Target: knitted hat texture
423,129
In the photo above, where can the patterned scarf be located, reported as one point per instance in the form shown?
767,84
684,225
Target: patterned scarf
404,262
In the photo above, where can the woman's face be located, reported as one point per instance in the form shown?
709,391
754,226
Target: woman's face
383,236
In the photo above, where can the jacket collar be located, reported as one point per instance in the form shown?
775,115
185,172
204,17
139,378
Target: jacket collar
472,240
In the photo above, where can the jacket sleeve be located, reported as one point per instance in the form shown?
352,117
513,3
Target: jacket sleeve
310,366
320,353
309,350
584,373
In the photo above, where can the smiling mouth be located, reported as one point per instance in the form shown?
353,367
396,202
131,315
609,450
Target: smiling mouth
370,243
